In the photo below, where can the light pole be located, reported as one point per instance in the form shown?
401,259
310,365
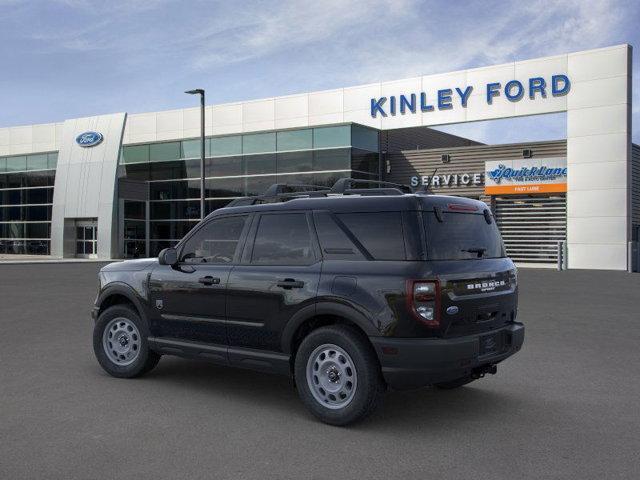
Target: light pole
200,91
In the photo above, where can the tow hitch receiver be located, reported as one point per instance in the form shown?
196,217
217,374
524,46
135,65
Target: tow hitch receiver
483,370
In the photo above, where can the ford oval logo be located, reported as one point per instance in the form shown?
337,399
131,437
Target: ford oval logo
452,310
89,139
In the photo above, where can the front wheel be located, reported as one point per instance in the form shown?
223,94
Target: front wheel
120,343
338,375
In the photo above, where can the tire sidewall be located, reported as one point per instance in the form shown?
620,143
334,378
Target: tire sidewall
122,371
368,387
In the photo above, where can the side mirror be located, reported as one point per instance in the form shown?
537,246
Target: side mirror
168,256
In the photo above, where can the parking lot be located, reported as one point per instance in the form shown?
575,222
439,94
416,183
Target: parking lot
565,407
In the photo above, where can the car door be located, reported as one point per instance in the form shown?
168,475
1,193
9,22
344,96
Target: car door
188,299
277,277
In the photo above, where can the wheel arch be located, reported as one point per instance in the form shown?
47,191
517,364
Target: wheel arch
119,294
319,315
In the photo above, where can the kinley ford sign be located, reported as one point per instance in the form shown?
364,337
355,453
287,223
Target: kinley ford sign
504,177
445,99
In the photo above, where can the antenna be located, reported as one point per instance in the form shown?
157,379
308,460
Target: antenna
425,189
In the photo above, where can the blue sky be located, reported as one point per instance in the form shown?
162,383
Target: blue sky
72,58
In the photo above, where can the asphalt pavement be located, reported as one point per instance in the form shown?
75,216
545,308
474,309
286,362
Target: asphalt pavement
566,407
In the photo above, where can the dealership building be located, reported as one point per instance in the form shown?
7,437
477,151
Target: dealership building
127,185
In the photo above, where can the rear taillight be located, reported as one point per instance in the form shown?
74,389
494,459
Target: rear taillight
423,298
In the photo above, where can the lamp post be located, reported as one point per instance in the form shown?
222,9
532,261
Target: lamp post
200,91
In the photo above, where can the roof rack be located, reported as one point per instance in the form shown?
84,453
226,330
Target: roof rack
282,192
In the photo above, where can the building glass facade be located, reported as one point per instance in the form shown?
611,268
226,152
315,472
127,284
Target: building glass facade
235,166
26,198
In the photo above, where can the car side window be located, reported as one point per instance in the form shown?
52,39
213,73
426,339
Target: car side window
216,242
381,233
283,239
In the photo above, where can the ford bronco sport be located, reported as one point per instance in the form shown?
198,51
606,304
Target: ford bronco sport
349,291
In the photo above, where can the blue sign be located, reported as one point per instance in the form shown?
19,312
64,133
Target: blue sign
524,174
89,139
446,99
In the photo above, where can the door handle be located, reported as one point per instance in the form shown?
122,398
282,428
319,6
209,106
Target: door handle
289,283
209,280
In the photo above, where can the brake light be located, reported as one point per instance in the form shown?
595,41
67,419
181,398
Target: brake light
423,300
459,207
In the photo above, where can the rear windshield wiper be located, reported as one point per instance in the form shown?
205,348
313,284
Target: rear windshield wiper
480,251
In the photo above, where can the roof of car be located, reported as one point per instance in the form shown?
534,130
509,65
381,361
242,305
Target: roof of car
365,203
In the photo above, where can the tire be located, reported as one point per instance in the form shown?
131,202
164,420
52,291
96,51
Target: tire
123,352
346,358
457,383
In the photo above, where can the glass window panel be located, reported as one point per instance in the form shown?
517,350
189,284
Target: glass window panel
224,166
295,162
37,213
160,152
134,229
164,230
191,148
16,164
134,249
174,210
258,185
52,160
138,171
37,230
256,164
156,247
364,138
326,137
38,179
176,170
334,242
79,233
216,242
223,146
37,247
38,195
295,140
224,187
134,209
175,190
364,161
37,162
3,164
259,143
135,154
211,205
15,230
16,247
339,159
283,240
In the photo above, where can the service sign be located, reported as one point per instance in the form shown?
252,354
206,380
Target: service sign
526,175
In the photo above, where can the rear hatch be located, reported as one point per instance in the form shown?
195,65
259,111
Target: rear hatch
477,282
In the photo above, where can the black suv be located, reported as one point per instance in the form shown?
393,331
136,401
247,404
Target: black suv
347,290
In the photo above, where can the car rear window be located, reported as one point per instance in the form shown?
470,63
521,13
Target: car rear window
461,236
381,234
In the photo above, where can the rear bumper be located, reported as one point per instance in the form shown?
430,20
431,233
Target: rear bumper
415,362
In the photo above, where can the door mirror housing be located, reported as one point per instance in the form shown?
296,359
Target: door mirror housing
168,256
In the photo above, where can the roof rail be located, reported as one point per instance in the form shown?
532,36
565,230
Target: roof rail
344,186
282,192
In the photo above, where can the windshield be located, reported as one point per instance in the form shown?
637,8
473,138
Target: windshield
462,236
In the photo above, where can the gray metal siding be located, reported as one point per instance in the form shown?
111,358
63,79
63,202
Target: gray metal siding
416,138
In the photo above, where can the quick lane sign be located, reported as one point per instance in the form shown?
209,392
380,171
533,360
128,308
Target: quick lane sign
445,99
528,175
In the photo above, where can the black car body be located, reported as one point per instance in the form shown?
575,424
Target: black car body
422,280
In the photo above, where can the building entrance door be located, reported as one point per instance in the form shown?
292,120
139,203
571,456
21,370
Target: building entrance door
87,239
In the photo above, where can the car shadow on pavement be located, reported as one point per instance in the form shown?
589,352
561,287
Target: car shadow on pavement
400,410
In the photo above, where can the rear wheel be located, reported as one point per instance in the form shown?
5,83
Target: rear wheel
459,382
337,375
120,343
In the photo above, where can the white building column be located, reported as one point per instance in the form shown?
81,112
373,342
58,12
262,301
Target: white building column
599,158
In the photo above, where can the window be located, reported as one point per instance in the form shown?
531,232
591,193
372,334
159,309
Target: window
223,146
259,143
462,236
364,138
160,152
283,239
334,242
37,162
295,140
295,162
135,154
380,233
326,137
216,242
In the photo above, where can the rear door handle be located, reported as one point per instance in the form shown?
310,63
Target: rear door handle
209,280
289,283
